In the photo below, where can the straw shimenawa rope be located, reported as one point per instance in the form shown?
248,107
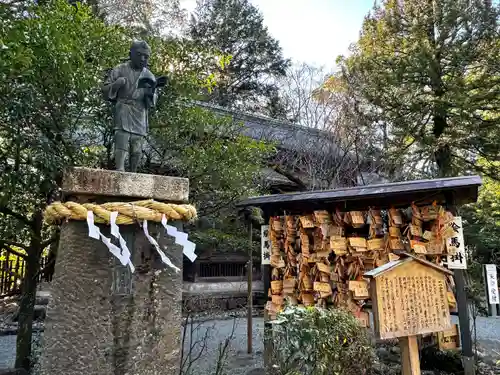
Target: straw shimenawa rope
128,213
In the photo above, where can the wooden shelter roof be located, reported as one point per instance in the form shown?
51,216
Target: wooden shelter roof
379,271
398,194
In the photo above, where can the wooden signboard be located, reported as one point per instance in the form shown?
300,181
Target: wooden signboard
409,298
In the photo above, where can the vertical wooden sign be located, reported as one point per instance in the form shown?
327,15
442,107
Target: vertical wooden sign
455,246
265,245
492,284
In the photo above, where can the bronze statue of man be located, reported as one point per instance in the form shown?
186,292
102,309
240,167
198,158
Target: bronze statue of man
131,87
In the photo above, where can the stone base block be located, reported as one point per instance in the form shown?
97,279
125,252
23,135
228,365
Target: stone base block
94,325
101,182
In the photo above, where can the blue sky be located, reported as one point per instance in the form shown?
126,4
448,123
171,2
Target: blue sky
312,31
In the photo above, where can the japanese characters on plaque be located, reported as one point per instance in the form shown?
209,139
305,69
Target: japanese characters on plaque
456,247
122,279
411,301
492,284
265,245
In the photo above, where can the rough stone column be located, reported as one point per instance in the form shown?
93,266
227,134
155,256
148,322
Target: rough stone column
91,328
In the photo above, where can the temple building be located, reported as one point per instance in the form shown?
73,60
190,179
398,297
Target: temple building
306,159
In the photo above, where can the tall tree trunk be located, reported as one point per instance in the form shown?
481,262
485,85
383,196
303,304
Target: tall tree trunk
442,153
28,296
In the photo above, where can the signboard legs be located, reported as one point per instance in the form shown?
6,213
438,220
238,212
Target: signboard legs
409,355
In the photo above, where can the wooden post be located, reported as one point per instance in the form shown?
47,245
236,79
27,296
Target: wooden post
409,355
464,323
250,295
268,343
463,307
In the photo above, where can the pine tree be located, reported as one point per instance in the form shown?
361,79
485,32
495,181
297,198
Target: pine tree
236,28
427,70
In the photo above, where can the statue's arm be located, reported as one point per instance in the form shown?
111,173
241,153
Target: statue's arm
112,84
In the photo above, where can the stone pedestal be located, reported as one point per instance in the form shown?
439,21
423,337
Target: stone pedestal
94,327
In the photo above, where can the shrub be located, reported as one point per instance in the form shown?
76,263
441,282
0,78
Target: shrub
312,341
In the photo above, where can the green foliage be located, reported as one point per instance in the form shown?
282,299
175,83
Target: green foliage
53,58
426,75
482,229
145,17
228,232
314,341
52,61
220,162
54,116
222,241
236,29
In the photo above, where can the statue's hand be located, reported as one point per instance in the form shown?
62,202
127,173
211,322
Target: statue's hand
120,82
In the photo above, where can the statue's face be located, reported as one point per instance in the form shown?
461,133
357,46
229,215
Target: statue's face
139,57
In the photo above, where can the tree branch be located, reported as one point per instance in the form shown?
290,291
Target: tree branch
50,241
7,211
291,177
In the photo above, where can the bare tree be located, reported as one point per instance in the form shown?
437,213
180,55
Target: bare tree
202,341
297,93
150,17
331,148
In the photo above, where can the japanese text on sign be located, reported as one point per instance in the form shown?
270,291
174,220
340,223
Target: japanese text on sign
412,304
456,247
265,245
492,284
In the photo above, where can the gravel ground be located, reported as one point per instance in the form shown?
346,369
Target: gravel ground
214,333
238,362
7,351
203,339
488,335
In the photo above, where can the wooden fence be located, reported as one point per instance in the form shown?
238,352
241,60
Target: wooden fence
12,271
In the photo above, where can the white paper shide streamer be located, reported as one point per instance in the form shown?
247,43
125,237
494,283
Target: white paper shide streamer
123,254
115,231
165,259
181,238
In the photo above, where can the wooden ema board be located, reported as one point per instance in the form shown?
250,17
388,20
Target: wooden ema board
449,339
409,300
319,258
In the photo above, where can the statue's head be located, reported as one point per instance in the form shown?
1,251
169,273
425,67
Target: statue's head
139,54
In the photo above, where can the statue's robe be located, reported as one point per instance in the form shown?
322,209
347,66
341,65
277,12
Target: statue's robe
131,106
